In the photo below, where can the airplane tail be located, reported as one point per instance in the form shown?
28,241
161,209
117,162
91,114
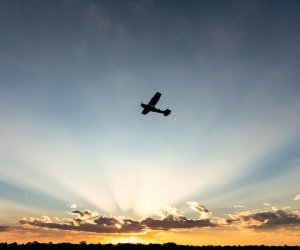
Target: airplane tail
167,112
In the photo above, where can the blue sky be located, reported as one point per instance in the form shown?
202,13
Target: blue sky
73,75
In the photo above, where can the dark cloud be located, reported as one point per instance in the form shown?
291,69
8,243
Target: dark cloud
172,219
77,212
92,222
98,225
4,228
171,223
267,220
86,213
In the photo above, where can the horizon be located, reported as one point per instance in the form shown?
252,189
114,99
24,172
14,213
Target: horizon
78,160
167,244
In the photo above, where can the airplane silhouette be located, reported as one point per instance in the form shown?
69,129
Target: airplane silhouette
151,106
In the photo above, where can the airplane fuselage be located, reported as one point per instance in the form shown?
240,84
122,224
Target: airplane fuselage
151,108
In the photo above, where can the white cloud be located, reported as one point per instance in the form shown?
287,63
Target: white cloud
73,206
202,210
297,197
237,206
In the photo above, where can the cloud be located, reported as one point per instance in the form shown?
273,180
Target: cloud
170,218
170,222
167,219
169,211
204,213
98,225
73,206
84,214
275,219
4,228
297,197
237,206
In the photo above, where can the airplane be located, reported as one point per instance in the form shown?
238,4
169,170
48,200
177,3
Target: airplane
151,106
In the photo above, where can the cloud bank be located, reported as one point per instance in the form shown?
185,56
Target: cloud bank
89,221
266,220
169,218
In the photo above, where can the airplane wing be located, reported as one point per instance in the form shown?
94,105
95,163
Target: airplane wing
145,111
154,99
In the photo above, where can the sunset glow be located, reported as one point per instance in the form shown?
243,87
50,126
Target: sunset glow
78,160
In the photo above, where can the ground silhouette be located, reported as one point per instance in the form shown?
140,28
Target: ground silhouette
83,245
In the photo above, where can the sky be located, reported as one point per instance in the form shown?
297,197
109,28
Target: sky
78,160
